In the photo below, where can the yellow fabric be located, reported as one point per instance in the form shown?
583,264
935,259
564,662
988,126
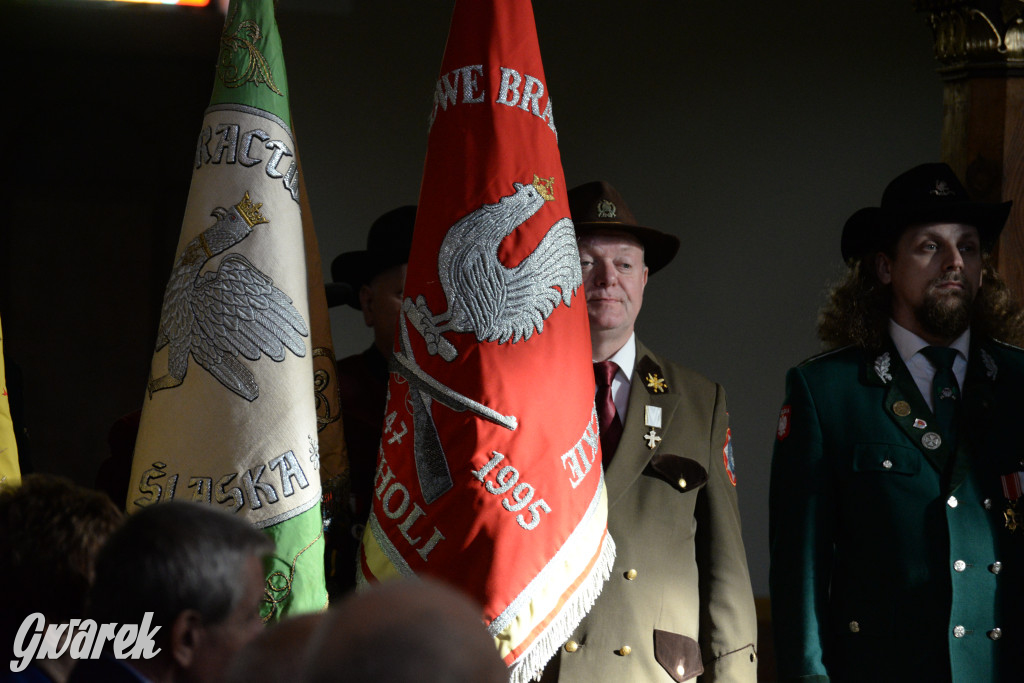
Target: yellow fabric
568,566
9,471
331,435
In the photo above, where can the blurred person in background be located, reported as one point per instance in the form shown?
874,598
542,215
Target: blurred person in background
50,533
369,280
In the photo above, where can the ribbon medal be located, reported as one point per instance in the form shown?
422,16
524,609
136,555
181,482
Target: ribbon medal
1013,487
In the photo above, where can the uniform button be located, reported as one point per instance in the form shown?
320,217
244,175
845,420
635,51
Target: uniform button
959,631
987,503
887,464
996,633
952,502
854,627
680,671
682,483
571,646
959,565
995,567
625,650
631,574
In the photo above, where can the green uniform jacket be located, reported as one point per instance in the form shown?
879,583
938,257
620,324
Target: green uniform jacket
679,596
890,556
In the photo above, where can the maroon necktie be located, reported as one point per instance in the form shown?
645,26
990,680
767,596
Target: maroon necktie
607,418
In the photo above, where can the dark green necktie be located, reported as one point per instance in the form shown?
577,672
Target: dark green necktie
945,390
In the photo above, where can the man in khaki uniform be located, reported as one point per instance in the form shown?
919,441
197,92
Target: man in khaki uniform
678,605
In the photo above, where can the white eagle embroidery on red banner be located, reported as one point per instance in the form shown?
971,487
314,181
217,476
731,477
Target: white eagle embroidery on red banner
489,472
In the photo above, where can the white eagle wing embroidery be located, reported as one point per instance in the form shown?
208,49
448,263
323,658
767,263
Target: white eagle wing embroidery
531,294
486,297
217,315
238,310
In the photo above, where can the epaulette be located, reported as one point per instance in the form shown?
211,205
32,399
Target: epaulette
1006,345
652,375
825,354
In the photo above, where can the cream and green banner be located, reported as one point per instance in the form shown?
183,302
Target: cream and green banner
230,416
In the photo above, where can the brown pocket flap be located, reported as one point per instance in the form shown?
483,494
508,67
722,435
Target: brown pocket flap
682,473
679,655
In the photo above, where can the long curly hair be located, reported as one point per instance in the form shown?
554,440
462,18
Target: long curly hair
858,308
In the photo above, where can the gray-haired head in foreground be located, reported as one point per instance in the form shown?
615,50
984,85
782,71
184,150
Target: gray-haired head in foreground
171,557
404,630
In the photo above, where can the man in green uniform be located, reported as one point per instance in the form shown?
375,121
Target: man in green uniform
678,605
896,552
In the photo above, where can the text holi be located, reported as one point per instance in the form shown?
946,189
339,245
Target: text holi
82,639
462,86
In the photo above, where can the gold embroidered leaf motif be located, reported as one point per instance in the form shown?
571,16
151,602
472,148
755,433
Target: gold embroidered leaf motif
240,46
325,415
657,384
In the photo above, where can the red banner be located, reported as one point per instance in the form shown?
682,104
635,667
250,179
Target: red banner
489,473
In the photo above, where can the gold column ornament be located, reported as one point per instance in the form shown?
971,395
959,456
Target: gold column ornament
979,46
976,34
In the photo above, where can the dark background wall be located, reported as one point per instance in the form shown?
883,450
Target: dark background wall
750,129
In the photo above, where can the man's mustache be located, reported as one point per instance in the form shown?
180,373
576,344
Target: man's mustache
950,277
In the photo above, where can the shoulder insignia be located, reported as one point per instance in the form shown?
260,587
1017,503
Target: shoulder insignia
653,375
784,416
824,354
730,464
1006,345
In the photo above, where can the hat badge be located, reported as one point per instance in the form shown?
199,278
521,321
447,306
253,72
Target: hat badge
605,209
942,189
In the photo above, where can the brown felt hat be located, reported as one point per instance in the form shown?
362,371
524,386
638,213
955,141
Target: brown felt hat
927,193
597,206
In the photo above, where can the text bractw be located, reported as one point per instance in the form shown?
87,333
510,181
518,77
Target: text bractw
234,146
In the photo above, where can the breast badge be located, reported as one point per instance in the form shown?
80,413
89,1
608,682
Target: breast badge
1013,486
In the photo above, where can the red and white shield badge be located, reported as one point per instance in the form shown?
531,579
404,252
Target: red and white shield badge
783,430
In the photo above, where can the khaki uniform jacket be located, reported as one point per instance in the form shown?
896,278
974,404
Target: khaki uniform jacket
678,605
890,555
